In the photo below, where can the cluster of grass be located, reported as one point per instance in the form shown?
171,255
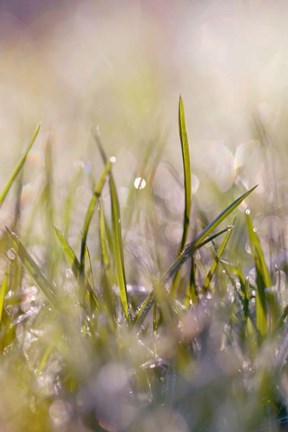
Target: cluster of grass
86,346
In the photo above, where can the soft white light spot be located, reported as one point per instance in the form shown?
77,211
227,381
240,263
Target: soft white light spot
247,211
113,159
139,183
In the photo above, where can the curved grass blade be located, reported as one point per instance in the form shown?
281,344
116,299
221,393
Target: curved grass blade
33,268
18,167
117,238
200,239
74,264
90,211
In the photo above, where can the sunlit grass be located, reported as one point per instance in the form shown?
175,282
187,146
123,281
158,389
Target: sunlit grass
86,346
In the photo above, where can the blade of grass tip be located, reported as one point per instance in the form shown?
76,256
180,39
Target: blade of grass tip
18,167
33,268
117,239
89,214
187,186
199,241
218,256
73,263
3,290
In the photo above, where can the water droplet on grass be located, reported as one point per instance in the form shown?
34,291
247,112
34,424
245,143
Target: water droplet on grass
139,183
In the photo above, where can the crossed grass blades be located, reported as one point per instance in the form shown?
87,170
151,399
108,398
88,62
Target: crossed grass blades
193,354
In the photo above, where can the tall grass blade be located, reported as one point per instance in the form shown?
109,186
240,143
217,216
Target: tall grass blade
33,268
187,187
117,239
89,214
187,173
18,167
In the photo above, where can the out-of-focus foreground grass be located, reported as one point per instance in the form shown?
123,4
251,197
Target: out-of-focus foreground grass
131,298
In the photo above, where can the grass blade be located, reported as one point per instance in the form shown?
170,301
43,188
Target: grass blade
118,247
216,259
18,168
187,173
33,268
201,238
3,290
90,211
73,263
187,187
266,302
117,236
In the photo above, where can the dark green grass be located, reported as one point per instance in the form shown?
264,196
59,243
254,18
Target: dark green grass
200,346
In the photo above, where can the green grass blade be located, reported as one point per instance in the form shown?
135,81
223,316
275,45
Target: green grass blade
187,188
90,211
266,303
181,259
200,240
117,238
69,201
18,168
3,290
33,268
187,173
118,247
215,262
73,263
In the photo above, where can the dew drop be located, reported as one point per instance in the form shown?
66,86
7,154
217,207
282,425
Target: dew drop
113,159
247,211
139,183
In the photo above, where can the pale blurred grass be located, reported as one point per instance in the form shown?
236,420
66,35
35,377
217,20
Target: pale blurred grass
81,65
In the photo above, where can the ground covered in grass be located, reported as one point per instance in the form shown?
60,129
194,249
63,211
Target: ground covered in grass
96,334
143,269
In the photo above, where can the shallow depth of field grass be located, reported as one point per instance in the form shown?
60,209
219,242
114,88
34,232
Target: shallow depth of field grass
143,257
99,333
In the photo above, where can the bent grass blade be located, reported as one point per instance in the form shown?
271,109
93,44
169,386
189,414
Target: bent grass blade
33,269
18,167
74,264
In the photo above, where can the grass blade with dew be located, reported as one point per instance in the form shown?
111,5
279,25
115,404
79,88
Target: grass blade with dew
73,263
18,167
117,236
200,239
187,187
33,268
266,303
217,258
89,214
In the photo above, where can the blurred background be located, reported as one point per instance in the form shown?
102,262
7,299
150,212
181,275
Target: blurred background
119,68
